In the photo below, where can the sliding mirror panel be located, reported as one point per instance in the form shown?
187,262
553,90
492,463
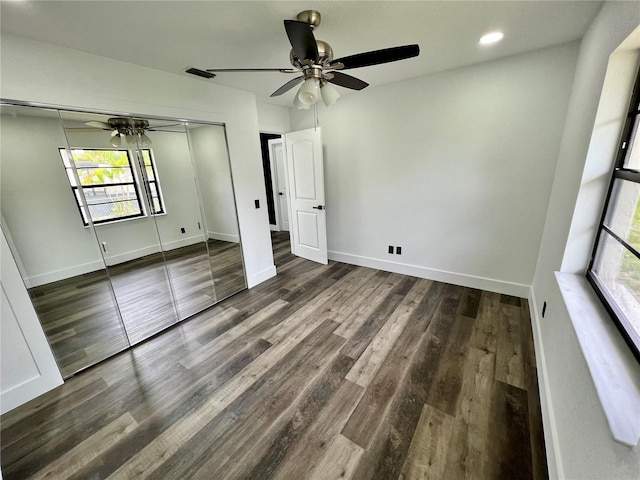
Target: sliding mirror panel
170,183
123,203
57,253
211,162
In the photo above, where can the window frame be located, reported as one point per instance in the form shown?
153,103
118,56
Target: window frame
140,183
621,173
155,181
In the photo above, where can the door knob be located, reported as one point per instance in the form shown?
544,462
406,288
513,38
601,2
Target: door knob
319,207
280,193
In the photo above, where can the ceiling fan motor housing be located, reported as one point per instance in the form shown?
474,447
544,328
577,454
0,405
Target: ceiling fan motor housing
325,55
312,17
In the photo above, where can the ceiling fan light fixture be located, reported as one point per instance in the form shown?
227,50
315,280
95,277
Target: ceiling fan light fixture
145,140
299,105
116,141
308,93
329,94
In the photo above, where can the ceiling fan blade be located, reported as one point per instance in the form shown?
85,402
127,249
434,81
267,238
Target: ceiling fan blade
347,81
281,70
377,57
302,40
96,124
288,86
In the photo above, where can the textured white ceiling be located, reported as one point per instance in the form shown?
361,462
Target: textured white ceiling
174,35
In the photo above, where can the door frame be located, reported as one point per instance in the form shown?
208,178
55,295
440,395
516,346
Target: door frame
274,183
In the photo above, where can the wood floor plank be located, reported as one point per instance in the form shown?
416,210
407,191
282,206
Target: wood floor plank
327,425
209,349
509,357
485,330
447,382
375,295
386,454
239,428
371,410
427,456
510,456
376,352
469,445
432,356
94,446
260,455
339,461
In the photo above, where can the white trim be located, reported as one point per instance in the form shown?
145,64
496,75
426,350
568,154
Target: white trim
182,242
554,465
262,276
56,275
28,331
225,237
132,255
613,368
507,288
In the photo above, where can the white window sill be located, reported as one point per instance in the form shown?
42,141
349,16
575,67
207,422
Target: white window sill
614,369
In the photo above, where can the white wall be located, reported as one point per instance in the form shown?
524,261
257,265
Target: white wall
209,149
71,78
584,447
273,118
455,167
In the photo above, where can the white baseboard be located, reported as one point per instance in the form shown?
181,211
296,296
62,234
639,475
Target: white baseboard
546,405
224,237
132,255
183,242
507,288
44,278
257,278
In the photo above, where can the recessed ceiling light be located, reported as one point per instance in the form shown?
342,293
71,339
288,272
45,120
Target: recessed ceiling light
490,38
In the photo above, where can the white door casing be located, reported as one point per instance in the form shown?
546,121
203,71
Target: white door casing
279,183
305,178
28,366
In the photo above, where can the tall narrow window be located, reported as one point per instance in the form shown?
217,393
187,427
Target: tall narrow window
109,184
614,270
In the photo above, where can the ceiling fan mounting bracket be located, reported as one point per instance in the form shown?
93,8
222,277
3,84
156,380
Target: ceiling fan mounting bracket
312,17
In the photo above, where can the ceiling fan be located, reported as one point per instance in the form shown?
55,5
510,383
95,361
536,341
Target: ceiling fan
314,60
124,127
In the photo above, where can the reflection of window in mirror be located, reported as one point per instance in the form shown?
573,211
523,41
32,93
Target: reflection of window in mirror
110,185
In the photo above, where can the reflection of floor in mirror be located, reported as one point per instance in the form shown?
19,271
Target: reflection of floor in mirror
81,322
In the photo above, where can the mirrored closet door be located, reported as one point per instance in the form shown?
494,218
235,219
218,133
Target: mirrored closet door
122,226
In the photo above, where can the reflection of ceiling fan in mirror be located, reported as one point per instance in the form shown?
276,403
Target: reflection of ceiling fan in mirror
314,60
131,129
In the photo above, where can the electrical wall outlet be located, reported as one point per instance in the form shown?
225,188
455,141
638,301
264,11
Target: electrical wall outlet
182,230
398,250
390,249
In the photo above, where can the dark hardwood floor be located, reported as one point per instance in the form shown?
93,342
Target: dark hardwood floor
84,325
323,372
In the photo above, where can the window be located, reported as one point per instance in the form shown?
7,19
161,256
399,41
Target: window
110,184
614,269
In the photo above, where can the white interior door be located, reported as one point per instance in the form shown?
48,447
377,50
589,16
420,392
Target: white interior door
279,183
305,178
